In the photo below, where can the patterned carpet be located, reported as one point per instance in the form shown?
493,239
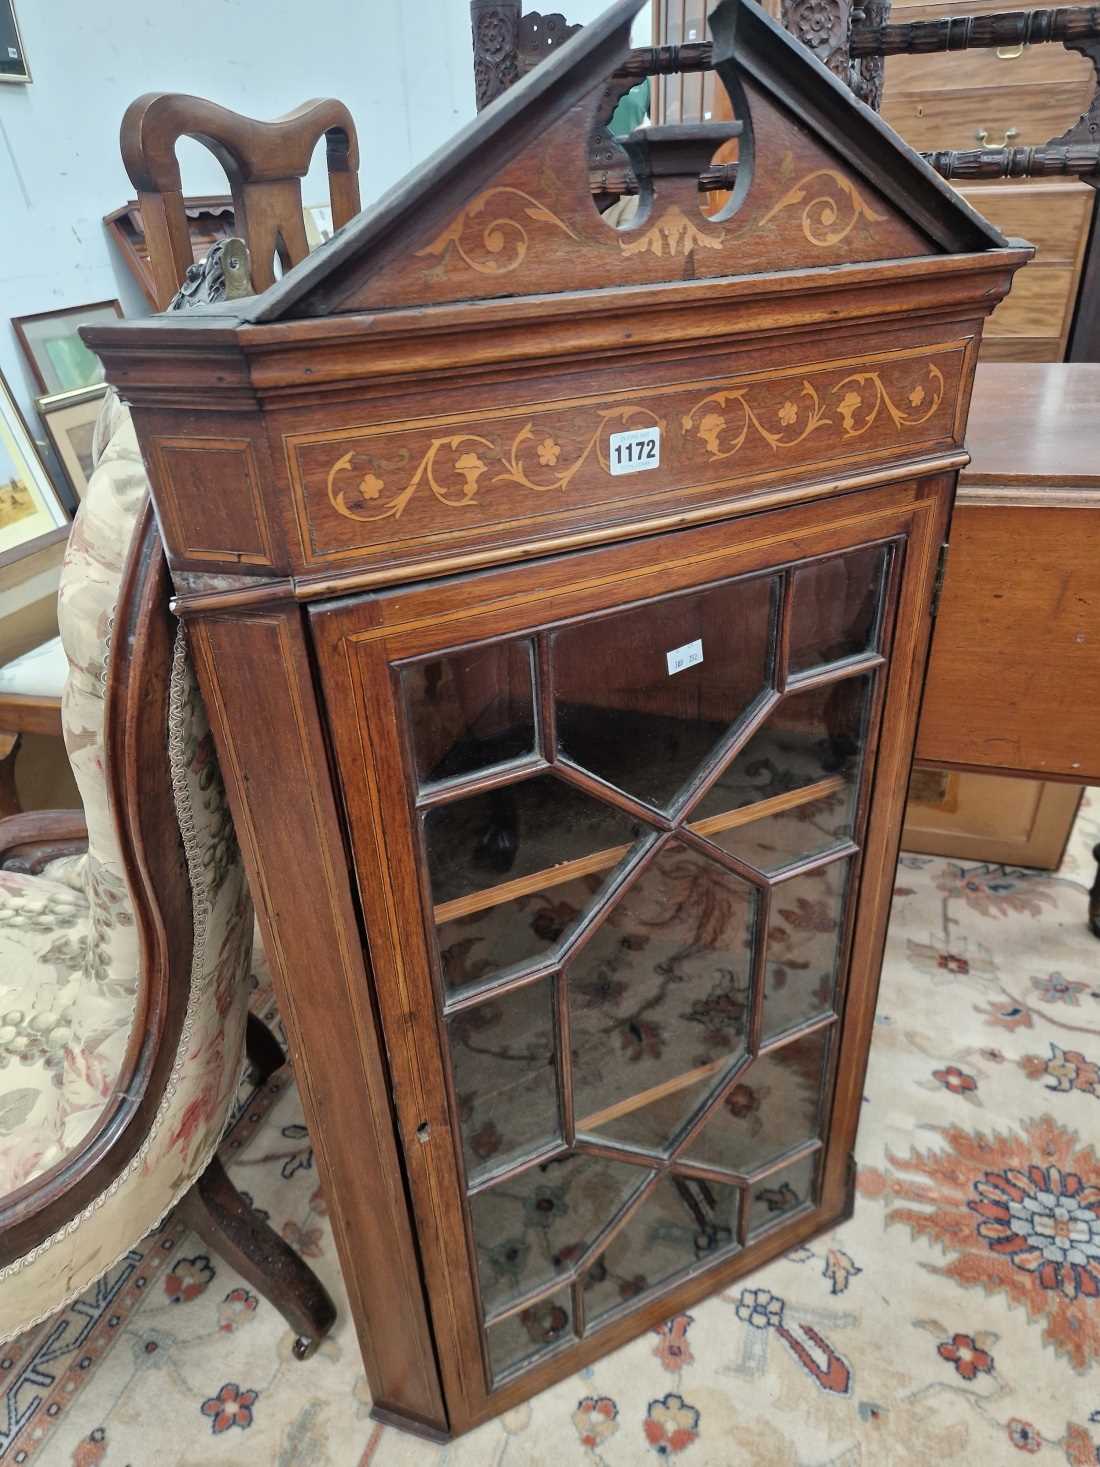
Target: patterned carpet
956,1318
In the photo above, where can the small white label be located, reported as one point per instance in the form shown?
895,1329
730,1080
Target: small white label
13,53
689,655
634,451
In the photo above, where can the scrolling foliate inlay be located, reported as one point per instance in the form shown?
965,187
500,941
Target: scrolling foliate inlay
454,478
453,469
858,400
834,209
504,241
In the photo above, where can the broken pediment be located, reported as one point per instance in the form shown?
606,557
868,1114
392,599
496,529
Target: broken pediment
507,209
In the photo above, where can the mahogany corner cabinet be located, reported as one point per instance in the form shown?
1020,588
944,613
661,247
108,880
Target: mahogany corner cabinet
560,587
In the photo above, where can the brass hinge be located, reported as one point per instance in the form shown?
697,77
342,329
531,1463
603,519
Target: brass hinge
937,584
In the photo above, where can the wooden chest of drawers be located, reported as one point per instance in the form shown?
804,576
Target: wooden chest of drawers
1023,97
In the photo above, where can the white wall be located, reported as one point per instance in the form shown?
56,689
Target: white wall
403,67
404,70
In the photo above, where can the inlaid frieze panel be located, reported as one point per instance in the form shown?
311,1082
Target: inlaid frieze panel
444,482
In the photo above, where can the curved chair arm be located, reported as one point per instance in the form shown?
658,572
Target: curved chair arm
29,841
265,163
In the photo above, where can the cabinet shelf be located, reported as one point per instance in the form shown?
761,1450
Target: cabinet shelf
651,1096
507,891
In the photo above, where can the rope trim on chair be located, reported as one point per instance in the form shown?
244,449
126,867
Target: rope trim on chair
177,702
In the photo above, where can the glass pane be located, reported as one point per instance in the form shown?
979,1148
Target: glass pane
653,1127
481,944
810,736
835,610
682,1224
659,995
500,878
502,1053
535,1331
531,1227
783,1193
805,929
772,1108
627,716
470,710
794,835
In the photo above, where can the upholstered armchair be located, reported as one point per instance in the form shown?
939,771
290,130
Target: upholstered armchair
126,947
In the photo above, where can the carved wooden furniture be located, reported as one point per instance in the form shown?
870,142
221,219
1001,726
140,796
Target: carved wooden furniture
560,595
1054,309
209,219
265,163
125,939
1014,83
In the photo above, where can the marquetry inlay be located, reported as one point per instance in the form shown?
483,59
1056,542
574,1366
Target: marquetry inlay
443,478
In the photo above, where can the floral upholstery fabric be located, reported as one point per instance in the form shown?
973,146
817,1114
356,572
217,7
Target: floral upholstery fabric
69,947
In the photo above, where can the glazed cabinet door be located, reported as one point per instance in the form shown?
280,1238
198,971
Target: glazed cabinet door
624,825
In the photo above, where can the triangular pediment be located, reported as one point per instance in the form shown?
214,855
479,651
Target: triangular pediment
506,209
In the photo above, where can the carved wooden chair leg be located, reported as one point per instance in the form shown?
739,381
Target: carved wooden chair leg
233,1229
1094,896
265,1053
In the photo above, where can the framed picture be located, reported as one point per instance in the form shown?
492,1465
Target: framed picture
70,419
29,504
13,63
52,346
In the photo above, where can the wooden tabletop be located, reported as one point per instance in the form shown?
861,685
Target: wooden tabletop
1035,423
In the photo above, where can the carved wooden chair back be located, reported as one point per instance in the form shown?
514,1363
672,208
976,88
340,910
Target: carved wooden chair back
125,944
265,163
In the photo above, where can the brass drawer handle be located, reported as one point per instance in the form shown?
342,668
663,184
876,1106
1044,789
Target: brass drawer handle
983,137
1010,53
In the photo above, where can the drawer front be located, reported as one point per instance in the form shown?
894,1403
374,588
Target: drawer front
457,482
1022,349
1020,597
1039,304
952,118
939,71
624,828
1054,217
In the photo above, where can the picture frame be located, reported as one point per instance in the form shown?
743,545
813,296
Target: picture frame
13,59
69,419
50,341
29,504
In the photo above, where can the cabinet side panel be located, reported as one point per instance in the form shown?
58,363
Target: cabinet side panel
270,742
908,660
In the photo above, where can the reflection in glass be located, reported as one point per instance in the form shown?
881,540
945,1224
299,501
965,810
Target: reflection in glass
835,610
810,736
772,1107
659,995
654,1126
486,943
682,1224
470,710
783,1193
504,892
794,835
625,716
534,1331
528,1229
502,1054
530,827
805,930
